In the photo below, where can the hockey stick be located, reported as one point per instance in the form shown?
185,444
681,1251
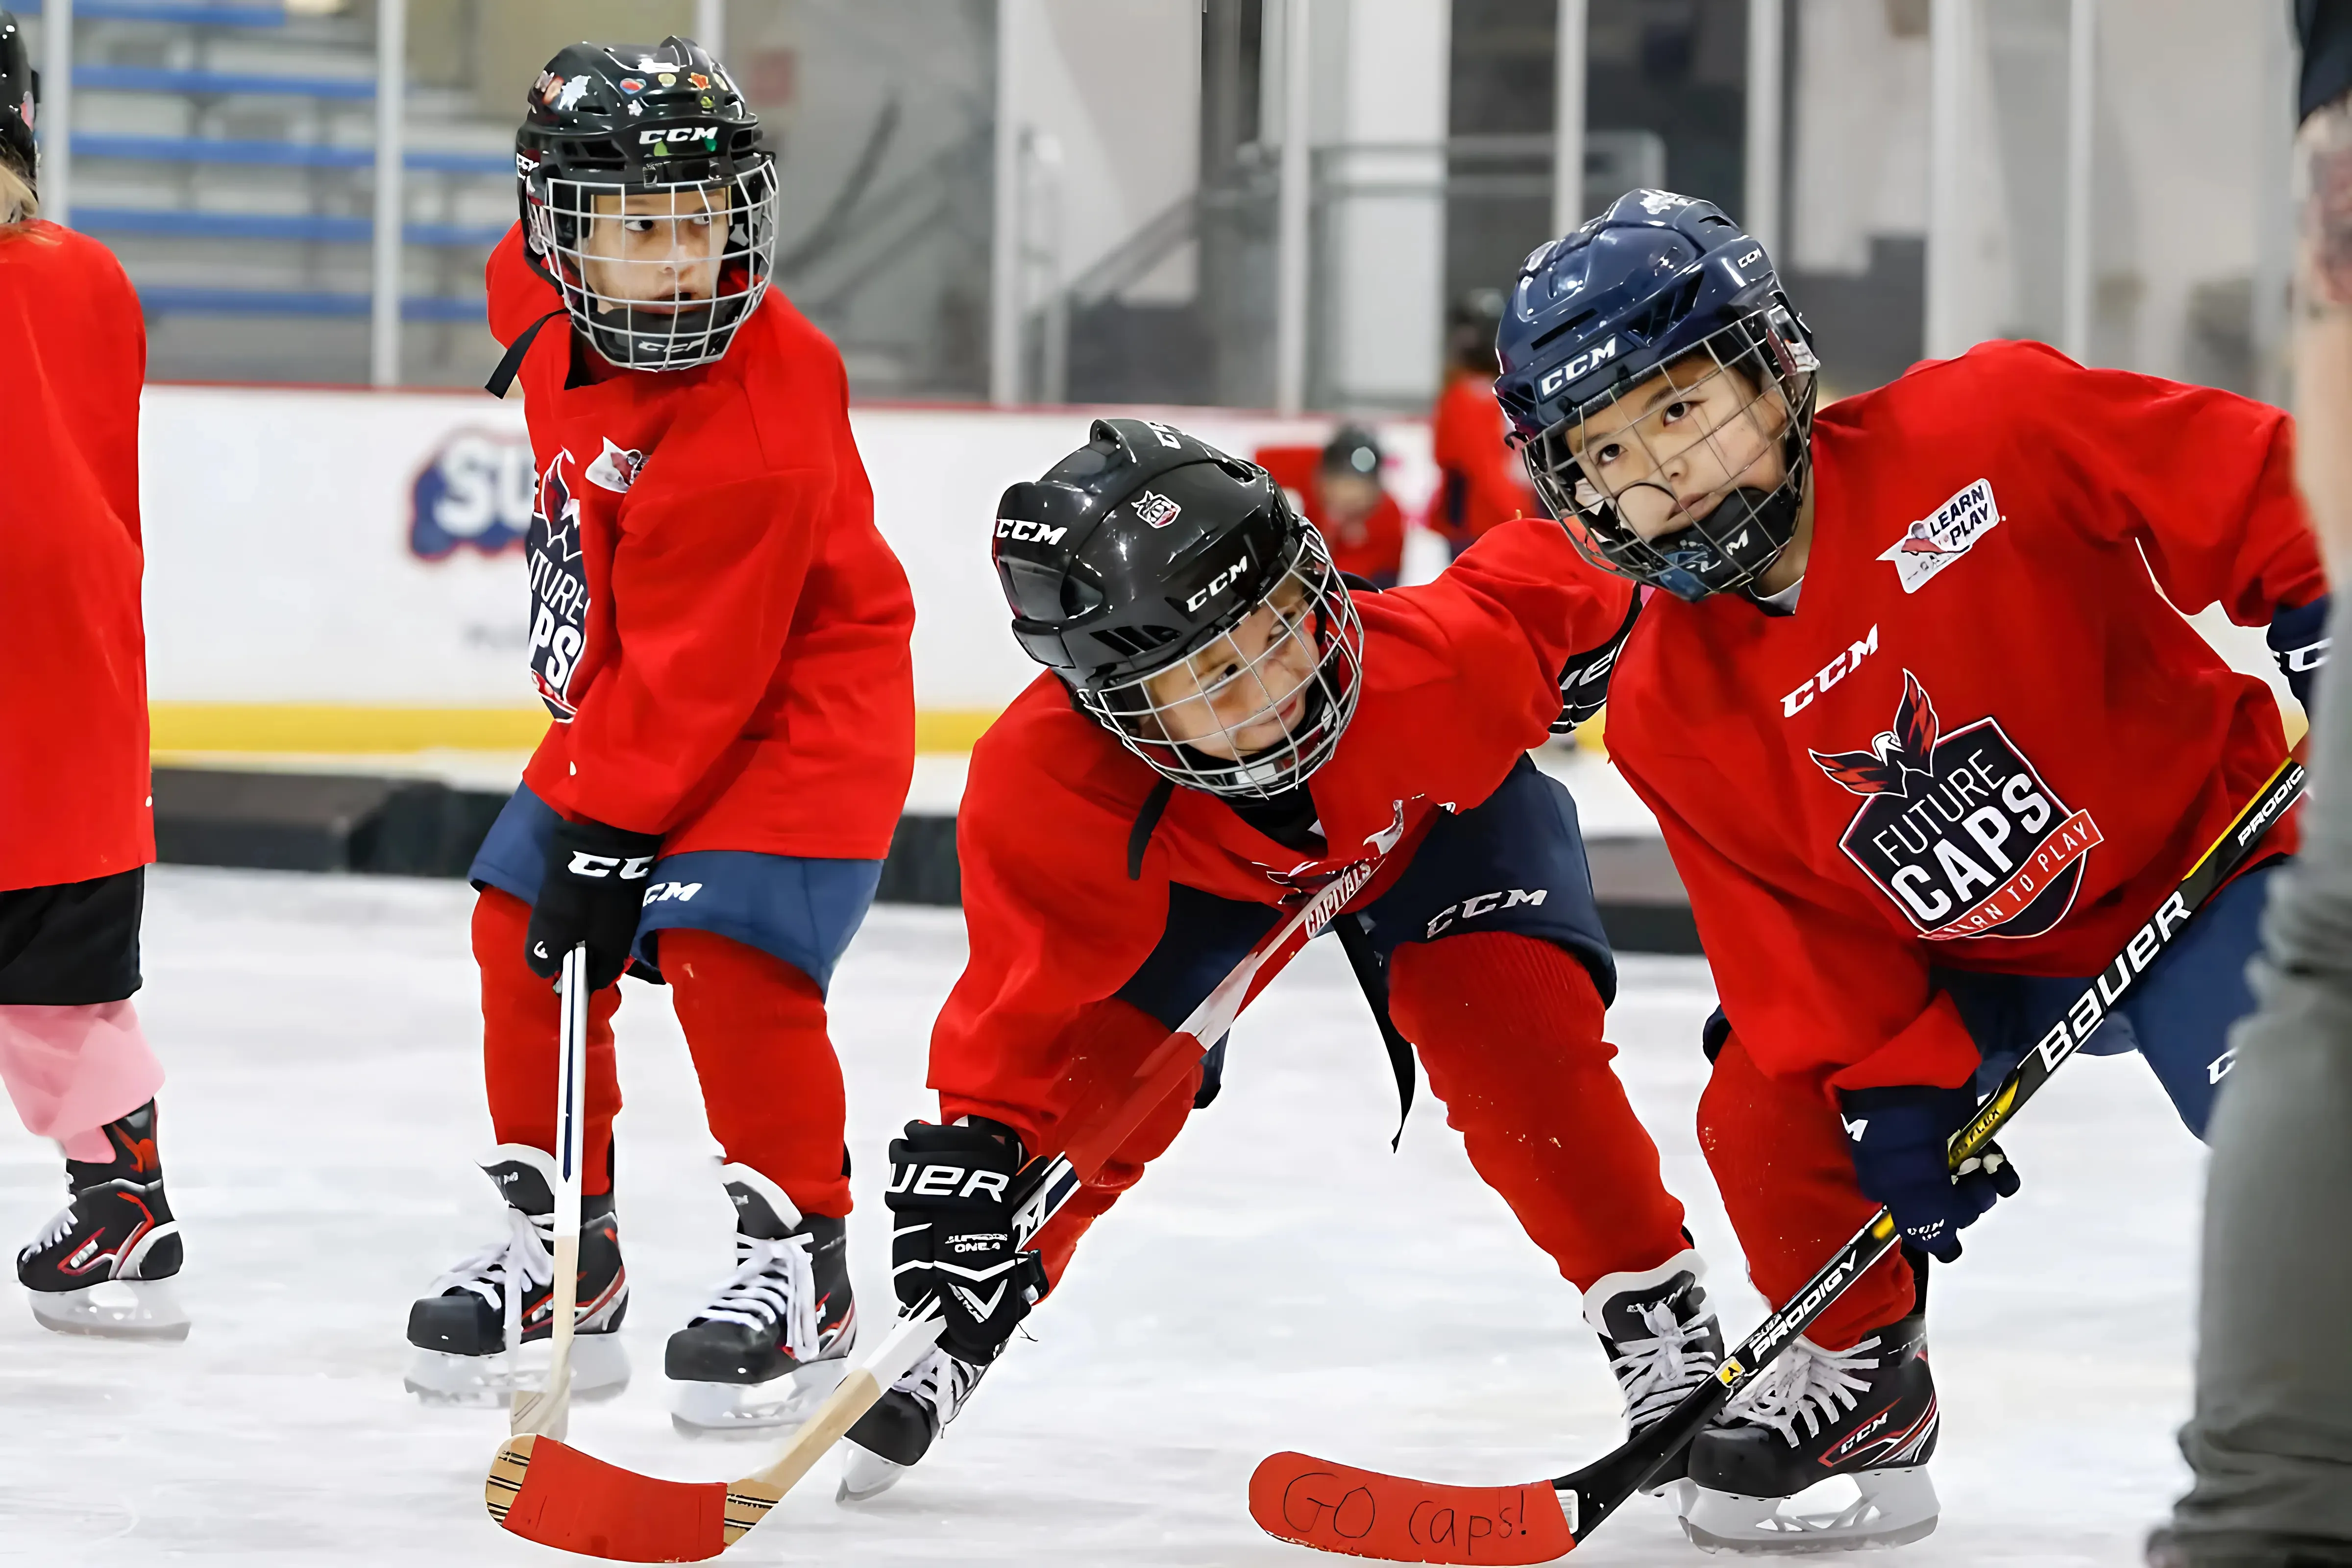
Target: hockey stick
550,1493
547,1411
1364,1514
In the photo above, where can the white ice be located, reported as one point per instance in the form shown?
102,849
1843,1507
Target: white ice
1279,1280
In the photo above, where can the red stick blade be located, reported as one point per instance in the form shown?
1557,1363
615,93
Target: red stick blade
575,1502
1338,1507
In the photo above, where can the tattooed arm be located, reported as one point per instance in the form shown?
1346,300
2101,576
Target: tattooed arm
2323,332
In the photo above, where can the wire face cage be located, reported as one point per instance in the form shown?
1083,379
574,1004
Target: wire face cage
1253,712
660,276
1689,480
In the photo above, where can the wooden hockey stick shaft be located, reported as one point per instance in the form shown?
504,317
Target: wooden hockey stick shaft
1364,1514
547,1411
550,1493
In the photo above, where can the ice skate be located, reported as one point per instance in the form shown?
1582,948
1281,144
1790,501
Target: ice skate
462,1328
774,1339
1663,1341
1867,1415
102,1266
889,1440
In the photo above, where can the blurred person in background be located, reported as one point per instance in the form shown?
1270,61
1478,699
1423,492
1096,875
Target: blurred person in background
721,635
77,827
1337,486
1478,480
2270,1439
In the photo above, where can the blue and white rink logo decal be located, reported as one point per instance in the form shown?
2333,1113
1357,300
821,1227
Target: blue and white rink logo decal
1942,537
473,493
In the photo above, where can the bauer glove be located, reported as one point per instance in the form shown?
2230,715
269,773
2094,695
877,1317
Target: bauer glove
2299,639
951,1189
1898,1139
593,891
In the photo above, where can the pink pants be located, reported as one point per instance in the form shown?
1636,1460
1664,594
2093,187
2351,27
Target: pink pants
71,1071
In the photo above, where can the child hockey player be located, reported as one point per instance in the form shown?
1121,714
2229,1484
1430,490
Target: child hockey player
722,637
76,830
1928,743
1226,728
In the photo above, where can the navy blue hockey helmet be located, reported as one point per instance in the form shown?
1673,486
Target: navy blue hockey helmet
1665,298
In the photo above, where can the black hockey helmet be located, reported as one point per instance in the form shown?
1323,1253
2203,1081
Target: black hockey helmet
1147,547
20,97
661,132
1353,449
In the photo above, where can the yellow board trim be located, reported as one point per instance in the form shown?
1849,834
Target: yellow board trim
328,728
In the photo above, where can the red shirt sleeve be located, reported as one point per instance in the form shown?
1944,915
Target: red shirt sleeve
2202,481
1055,924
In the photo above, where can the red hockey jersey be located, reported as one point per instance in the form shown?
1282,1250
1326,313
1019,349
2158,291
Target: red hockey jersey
716,625
74,800
1984,739
1461,677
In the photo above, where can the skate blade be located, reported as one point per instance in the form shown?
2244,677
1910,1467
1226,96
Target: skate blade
865,1475
600,1371
113,1310
716,1409
1892,1507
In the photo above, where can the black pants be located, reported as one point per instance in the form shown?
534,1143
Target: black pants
72,944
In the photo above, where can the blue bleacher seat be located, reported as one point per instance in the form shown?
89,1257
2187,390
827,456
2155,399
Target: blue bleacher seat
290,154
219,84
304,228
169,300
179,16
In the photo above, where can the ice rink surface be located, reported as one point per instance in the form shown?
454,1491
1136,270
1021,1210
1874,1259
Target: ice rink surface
1279,1280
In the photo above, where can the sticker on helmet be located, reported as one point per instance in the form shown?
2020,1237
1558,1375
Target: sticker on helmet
1156,510
633,84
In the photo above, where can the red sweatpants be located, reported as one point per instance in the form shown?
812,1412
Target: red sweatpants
1508,1030
1778,1153
770,1084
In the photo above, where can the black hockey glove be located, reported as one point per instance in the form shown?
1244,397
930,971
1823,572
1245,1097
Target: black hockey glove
951,1189
1584,678
1898,1138
2299,639
592,891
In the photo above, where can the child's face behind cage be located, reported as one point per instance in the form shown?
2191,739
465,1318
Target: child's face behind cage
651,249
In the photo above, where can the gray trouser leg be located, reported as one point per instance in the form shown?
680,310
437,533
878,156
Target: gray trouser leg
2272,1437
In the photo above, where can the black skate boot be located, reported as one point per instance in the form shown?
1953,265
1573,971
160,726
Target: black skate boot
1663,1341
888,1439
99,1266
776,1335
461,1328
1868,1412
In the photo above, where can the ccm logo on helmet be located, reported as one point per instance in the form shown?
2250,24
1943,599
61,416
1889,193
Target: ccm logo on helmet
1219,583
678,134
950,1182
633,870
1033,532
1574,369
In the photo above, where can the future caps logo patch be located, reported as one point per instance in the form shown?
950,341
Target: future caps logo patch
1958,829
1942,537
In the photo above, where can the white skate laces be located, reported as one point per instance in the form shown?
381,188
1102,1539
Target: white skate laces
941,1381
1656,1372
51,1234
1806,1385
501,1272
773,1287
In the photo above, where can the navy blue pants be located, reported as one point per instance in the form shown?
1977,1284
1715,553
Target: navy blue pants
802,912
1514,863
2178,1017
